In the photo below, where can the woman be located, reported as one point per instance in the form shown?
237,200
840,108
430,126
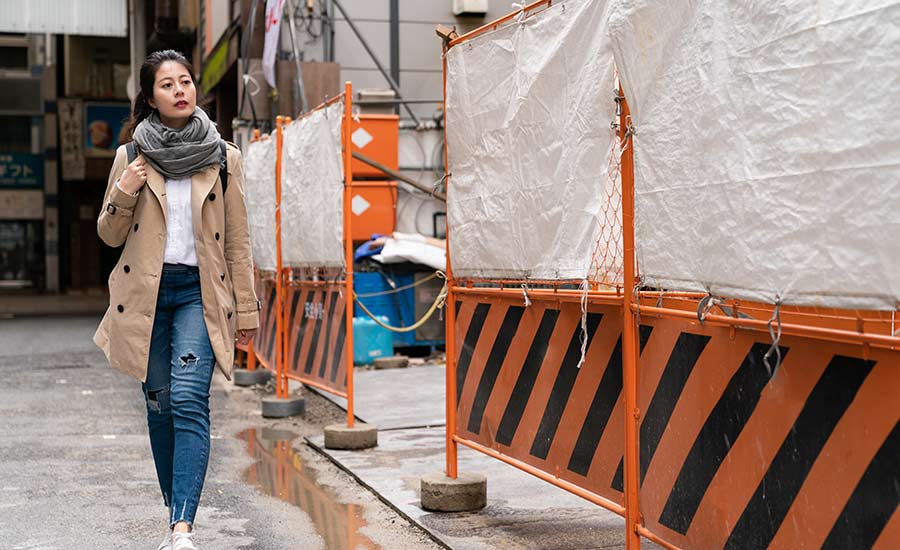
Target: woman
183,286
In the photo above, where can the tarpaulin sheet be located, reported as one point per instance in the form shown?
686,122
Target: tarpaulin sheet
767,147
529,108
312,190
259,192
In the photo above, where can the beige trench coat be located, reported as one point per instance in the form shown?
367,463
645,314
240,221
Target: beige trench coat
223,256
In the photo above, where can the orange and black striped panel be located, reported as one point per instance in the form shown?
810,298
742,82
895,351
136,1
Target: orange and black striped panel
733,455
520,389
264,341
317,337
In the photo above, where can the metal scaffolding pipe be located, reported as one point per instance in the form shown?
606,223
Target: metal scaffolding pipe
398,176
378,64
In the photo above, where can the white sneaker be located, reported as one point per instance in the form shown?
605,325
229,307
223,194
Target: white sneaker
166,543
182,541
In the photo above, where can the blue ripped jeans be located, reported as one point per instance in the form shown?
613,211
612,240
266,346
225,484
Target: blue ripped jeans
177,391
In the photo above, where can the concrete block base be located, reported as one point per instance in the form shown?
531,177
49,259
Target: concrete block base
440,493
244,377
360,436
395,362
275,407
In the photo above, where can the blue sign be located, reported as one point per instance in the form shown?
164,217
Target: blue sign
21,170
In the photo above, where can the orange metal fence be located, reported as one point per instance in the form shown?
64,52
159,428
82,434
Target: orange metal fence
677,420
313,343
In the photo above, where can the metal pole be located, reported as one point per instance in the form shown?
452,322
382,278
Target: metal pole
399,176
629,337
450,327
378,64
279,289
328,32
300,88
395,39
137,40
348,246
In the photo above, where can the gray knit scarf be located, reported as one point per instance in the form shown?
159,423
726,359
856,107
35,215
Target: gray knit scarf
177,154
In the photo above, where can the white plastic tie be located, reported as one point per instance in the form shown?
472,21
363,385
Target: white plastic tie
584,333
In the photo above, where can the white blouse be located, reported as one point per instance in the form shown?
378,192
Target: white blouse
180,246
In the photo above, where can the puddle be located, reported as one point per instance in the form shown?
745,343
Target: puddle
279,472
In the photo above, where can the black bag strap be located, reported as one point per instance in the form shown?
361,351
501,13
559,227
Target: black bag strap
223,166
223,162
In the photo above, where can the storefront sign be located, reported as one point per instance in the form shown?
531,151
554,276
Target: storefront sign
21,170
104,128
71,127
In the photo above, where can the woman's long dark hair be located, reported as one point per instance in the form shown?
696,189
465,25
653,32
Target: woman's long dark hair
141,108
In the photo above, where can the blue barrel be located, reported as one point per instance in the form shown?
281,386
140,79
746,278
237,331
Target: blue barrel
398,307
371,341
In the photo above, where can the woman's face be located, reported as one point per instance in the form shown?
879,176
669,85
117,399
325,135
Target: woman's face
174,94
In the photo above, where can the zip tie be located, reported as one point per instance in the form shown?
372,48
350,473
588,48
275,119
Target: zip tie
525,294
584,334
776,337
705,306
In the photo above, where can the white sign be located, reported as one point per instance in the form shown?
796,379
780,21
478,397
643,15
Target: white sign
22,205
274,10
71,136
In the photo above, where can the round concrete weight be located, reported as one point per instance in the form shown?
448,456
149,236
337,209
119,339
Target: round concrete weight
275,407
360,436
395,362
440,493
244,377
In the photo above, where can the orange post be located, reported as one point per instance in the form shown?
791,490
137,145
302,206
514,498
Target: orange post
348,243
450,322
629,336
283,274
281,381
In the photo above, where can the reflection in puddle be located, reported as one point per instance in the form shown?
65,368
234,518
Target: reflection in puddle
279,472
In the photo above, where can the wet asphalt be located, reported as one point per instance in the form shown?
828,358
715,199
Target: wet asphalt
76,470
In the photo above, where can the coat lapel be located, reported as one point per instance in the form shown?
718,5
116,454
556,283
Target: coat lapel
202,183
157,184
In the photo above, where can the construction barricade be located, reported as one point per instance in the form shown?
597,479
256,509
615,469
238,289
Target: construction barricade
683,312
296,197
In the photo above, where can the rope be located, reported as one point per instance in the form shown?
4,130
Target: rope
399,289
776,337
438,303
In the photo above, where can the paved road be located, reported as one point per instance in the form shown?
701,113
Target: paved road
76,471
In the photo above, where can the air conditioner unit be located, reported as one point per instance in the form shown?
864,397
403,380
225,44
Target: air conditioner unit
470,7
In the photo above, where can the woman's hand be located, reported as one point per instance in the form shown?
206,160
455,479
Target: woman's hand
243,337
134,177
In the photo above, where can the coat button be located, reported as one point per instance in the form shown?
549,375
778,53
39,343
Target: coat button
136,227
229,315
217,235
222,276
127,269
212,196
120,308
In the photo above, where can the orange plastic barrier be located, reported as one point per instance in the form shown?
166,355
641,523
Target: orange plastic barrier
682,425
317,335
312,344
264,341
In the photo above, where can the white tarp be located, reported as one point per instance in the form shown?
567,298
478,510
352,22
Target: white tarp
529,108
312,191
259,192
767,147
